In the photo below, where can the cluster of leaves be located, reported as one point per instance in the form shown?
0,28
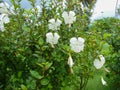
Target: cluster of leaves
28,62
109,31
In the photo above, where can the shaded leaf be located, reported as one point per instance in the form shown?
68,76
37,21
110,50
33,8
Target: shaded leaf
35,74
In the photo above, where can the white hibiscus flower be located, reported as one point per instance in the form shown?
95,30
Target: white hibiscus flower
77,44
69,17
99,63
52,38
54,24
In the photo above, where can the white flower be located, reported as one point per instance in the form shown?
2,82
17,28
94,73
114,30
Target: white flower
3,19
39,10
69,17
103,81
1,26
99,63
77,45
70,61
4,8
64,2
54,24
52,38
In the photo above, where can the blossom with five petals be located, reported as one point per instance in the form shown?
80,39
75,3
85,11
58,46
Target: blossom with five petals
69,17
54,24
99,63
52,38
77,44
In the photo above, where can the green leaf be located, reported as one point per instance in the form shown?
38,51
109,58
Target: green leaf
44,81
35,74
106,35
48,65
23,87
105,48
40,41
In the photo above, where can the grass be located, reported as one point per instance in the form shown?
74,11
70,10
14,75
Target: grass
96,84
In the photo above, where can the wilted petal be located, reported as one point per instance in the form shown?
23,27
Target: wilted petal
103,81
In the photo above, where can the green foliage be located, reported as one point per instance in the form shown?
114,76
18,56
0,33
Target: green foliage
28,62
109,31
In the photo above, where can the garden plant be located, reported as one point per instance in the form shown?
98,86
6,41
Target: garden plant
48,47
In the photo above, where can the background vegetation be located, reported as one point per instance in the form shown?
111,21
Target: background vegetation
28,62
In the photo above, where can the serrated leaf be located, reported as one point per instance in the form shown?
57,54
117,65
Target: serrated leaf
35,74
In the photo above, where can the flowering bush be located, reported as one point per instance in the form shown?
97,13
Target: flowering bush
108,30
48,49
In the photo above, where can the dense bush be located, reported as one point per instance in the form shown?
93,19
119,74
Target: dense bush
109,30
47,48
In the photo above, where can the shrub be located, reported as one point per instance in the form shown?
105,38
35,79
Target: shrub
109,29
47,48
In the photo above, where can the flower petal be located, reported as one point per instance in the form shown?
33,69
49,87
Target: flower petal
64,14
56,37
49,38
103,81
102,58
97,64
73,40
81,40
